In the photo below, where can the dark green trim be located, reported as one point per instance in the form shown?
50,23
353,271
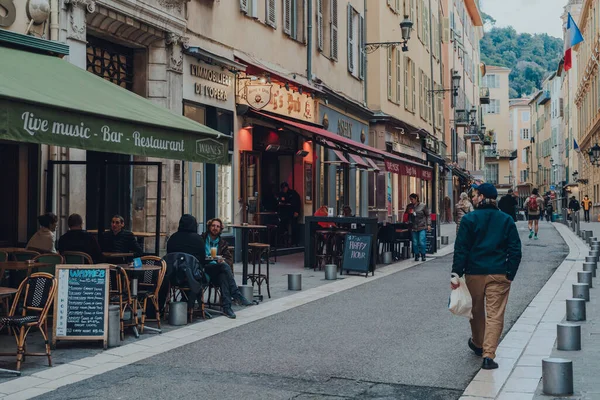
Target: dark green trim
32,43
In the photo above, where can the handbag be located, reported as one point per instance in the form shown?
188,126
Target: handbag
460,302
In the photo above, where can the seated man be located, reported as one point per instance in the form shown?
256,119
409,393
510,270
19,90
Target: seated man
77,239
44,239
187,240
119,240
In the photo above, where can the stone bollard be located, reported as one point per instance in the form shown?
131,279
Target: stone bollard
590,267
576,310
568,337
295,281
114,326
178,313
247,291
387,257
331,272
581,291
444,240
585,277
557,376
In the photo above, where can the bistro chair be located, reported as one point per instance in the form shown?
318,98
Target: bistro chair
49,258
77,257
24,255
120,294
149,286
34,298
3,256
257,251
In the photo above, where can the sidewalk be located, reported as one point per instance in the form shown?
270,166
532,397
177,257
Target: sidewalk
532,338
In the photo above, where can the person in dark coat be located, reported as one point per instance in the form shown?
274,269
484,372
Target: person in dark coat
77,239
187,240
573,206
508,204
120,240
289,211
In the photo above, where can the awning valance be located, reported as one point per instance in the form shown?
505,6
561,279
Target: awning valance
393,163
47,100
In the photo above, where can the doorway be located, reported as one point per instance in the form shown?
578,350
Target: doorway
9,201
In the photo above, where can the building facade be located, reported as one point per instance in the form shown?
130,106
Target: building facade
520,139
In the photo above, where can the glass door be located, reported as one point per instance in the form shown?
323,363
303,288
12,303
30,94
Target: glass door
250,182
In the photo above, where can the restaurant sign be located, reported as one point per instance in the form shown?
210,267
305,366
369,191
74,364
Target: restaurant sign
208,84
43,125
408,170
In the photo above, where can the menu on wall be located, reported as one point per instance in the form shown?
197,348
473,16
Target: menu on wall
81,304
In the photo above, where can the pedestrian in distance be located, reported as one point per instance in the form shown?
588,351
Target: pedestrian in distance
586,204
487,251
420,219
573,207
508,204
549,211
535,205
463,207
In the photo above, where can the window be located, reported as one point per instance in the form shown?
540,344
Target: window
398,76
491,173
492,108
356,54
491,81
294,22
390,59
250,8
421,97
327,39
525,133
409,84
525,116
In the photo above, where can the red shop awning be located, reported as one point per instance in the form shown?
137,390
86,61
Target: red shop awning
393,163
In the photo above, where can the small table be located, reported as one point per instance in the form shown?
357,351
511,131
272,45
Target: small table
12,249
134,287
5,293
111,256
245,229
21,266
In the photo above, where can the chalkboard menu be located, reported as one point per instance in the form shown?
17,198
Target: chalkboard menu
431,236
81,304
357,253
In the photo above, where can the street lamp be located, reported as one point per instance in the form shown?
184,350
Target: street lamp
575,176
473,115
551,161
405,27
594,155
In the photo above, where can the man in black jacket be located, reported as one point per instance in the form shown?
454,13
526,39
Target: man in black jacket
187,240
487,251
508,204
76,239
120,240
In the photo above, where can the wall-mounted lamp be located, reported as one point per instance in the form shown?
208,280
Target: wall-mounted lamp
302,153
287,86
272,148
405,27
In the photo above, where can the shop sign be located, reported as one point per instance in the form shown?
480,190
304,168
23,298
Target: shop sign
208,84
408,170
342,124
276,99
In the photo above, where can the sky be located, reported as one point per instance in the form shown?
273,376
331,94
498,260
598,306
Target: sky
527,16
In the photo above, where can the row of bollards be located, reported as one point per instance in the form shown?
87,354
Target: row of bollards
295,279
557,373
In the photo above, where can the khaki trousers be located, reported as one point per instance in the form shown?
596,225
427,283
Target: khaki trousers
490,295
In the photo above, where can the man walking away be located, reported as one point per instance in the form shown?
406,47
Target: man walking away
488,251
534,205
508,204
573,207
586,203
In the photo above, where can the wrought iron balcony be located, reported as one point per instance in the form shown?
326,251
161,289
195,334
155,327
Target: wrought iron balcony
484,95
500,154
462,118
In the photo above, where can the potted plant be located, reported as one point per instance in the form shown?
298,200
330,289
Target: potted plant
489,137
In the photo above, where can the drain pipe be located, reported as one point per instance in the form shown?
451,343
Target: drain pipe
309,41
54,25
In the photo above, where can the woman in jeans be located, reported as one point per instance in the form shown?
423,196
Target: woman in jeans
420,219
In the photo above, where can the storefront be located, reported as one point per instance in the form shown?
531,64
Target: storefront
209,99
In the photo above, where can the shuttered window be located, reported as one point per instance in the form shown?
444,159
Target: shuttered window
334,29
271,13
398,77
350,26
390,57
320,38
362,59
407,92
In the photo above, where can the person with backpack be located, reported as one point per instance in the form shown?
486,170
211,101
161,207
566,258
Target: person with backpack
534,205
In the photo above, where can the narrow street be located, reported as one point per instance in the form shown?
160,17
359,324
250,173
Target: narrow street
390,338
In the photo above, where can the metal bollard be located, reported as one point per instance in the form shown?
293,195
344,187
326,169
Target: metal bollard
591,259
114,326
595,253
444,240
588,235
406,251
295,281
585,277
331,272
557,376
178,313
247,291
590,267
581,291
575,310
387,257
591,240
568,337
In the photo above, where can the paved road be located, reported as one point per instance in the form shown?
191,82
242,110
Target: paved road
392,338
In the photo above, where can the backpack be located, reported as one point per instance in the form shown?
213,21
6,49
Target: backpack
532,204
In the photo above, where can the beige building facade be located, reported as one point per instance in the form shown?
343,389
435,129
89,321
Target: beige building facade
520,139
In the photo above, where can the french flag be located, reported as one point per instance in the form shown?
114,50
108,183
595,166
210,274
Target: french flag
572,38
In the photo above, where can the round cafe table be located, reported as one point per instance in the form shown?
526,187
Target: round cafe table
245,229
130,269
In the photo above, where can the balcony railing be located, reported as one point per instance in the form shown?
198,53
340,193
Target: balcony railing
484,95
501,153
461,118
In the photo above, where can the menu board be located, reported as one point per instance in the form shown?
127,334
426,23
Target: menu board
81,303
357,253
431,236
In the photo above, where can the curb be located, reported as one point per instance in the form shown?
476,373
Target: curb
533,335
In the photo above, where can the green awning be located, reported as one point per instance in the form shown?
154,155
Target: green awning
47,100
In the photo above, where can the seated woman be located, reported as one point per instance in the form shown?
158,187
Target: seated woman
322,212
44,239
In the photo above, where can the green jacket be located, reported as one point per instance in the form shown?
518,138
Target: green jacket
487,243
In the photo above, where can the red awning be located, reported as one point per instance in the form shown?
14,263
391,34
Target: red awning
360,163
372,163
338,153
393,163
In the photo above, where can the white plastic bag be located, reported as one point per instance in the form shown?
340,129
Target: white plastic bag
460,302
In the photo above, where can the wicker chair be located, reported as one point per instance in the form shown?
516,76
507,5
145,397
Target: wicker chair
120,294
24,255
34,298
3,258
77,257
149,286
49,258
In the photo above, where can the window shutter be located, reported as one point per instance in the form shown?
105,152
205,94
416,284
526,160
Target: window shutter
287,17
390,52
320,42
244,6
271,19
421,100
398,6
446,30
350,40
412,10
334,29
419,18
406,84
561,105
398,77
362,64
413,85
